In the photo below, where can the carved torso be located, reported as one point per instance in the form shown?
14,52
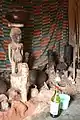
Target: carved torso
16,52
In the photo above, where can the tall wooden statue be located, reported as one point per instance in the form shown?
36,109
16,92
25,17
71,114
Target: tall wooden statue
15,49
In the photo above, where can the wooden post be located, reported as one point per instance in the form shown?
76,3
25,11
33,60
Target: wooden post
74,60
19,81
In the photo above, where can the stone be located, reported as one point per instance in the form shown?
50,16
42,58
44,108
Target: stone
4,102
34,91
4,105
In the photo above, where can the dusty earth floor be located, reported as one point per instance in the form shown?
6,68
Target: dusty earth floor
72,113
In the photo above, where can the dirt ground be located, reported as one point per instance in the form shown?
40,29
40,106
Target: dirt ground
18,111
72,112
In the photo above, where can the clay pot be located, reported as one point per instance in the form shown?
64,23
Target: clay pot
17,16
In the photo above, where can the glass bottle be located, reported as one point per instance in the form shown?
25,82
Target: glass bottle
55,104
57,78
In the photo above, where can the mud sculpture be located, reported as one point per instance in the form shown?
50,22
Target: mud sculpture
20,71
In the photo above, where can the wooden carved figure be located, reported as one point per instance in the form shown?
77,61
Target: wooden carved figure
15,50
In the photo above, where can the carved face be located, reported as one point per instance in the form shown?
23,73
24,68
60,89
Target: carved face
15,35
16,38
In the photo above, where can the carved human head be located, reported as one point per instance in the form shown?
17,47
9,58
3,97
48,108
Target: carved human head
15,35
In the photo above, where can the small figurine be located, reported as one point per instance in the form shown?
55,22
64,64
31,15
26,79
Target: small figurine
13,94
4,102
15,50
26,57
57,78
